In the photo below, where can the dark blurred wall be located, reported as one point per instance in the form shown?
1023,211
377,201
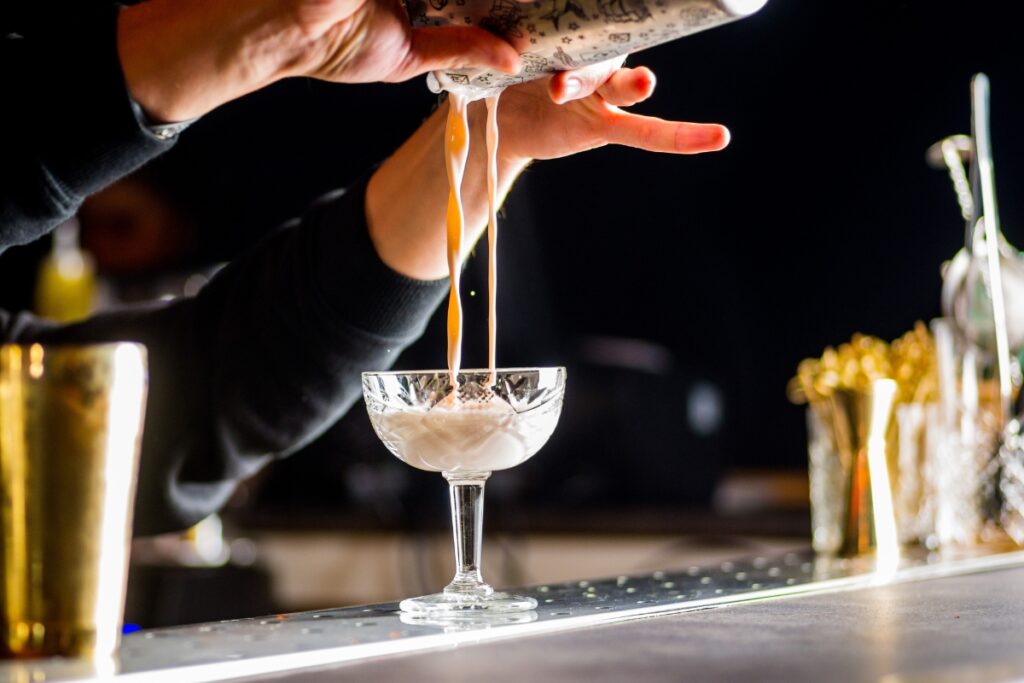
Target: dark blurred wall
821,218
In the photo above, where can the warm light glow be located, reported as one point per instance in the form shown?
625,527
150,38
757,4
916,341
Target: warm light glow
35,359
127,401
887,549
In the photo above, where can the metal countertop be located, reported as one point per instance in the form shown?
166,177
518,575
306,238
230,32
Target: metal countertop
853,622
963,629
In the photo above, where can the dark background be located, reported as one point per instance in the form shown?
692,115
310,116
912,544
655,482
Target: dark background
820,219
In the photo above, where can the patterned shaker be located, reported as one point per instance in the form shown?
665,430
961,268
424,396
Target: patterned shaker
555,35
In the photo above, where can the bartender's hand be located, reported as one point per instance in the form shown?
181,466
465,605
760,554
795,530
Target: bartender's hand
183,58
591,116
406,199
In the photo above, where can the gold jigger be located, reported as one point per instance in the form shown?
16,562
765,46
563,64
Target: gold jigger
866,442
70,430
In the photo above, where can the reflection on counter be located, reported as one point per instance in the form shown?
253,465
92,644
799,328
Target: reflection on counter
293,642
255,571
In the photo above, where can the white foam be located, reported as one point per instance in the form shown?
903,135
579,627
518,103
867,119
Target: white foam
465,437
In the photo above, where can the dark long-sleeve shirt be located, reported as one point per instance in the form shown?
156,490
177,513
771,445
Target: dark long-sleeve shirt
67,128
261,361
266,356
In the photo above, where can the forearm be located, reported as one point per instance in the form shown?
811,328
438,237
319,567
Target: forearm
70,129
184,58
261,361
407,198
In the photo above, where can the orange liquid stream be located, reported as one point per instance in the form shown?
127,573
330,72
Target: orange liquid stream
456,150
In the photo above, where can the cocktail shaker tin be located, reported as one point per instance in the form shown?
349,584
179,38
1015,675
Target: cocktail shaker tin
555,35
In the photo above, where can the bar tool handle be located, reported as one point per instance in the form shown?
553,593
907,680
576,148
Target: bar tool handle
985,185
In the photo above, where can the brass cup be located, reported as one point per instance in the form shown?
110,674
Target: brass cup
70,431
844,505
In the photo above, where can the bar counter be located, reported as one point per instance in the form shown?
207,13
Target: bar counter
786,618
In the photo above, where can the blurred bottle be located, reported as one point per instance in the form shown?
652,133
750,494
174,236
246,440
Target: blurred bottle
66,282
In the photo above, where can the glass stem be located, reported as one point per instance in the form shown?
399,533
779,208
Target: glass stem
467,497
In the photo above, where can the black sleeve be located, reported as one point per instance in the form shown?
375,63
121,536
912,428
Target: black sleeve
67,128
261,361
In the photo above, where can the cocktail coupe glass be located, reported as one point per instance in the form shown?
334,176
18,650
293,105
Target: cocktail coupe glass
493,421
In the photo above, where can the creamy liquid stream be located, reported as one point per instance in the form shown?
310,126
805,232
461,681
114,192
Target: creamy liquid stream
492,235
456,149
480,436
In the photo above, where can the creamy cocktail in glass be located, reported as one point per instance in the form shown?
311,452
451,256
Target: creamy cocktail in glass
494,420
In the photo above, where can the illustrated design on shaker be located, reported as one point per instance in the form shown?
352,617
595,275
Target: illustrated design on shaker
557,13
555,35
504,18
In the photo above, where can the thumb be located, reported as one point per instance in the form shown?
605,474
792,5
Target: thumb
457,47
576,84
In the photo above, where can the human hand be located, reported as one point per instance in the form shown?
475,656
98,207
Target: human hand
579,110
406,200
364,41
183,58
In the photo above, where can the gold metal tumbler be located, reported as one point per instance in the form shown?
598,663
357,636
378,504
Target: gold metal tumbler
70,431
856,492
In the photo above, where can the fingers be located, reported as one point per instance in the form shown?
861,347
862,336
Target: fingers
659,135
456,47
626,87
566,86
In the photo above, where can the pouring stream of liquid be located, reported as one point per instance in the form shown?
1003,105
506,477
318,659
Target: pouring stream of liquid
456,144
492,235
456,153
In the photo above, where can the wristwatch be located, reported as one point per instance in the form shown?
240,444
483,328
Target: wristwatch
161,131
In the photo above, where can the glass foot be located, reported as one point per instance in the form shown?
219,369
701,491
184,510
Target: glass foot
450,603
452,622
